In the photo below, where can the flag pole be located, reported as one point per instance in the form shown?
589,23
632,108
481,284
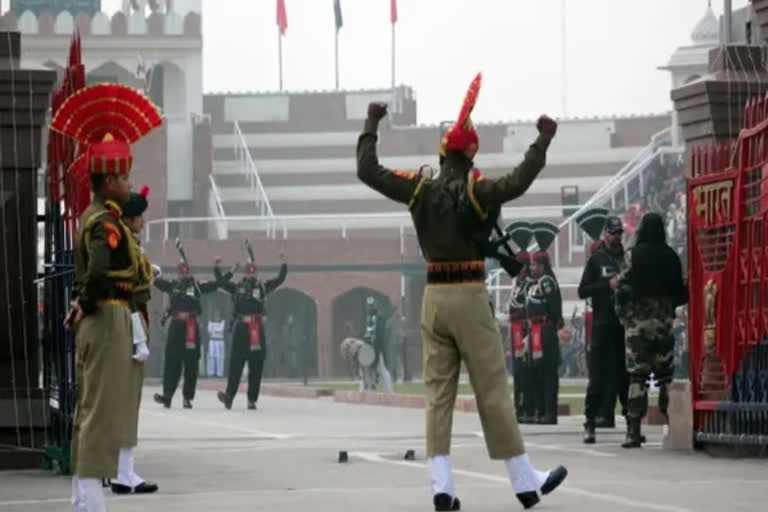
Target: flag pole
393,55
336,49
280,56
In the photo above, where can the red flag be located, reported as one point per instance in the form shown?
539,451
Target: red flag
393,11
282,17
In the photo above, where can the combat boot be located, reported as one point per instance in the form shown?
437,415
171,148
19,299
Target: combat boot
187,403
251,406
642,437
589,433
634,437
443,501
163,400
225,399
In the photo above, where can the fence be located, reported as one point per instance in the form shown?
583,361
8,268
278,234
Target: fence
728,273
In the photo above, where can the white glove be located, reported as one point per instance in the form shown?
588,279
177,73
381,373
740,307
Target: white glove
142,352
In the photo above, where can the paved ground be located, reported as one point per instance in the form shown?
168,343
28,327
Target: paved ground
283,458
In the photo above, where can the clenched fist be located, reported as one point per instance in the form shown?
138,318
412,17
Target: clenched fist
546,126
376,110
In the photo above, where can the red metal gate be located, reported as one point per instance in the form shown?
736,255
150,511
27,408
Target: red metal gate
728,278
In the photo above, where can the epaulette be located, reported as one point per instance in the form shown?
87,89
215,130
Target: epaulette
475,176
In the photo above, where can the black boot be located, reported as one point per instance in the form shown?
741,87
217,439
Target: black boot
225,399
251,405
589,432
555,478
634,437
642,437
444,501
163,400
142,488
187,403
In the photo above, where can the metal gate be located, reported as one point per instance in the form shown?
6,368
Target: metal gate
728,278
63,206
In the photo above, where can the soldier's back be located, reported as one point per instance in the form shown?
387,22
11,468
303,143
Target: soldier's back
439,227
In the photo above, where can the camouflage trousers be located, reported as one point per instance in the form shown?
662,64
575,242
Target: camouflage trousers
649,350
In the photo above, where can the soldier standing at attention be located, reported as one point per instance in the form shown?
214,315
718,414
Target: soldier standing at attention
457,324
649,290
544,306
524,390
128,481
608,370
248,341
182,350
105,275
518,331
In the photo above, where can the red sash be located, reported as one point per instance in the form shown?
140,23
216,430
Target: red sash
254,331
190,331
518,344
536,341
588,327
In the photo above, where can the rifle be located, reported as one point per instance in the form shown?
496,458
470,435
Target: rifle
180,249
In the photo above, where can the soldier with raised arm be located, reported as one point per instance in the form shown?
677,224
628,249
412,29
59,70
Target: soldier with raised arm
453,215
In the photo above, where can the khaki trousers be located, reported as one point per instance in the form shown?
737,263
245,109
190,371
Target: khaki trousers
104,348
457,325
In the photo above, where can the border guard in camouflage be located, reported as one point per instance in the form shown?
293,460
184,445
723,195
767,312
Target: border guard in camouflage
650,288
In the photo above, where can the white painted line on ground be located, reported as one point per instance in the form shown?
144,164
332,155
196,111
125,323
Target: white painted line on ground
560,448
566,489
163,496
228,426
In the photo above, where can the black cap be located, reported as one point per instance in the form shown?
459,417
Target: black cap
614,225
137,204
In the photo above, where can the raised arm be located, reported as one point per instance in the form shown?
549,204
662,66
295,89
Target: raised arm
490,193
277,281
399,186
164,285
225,280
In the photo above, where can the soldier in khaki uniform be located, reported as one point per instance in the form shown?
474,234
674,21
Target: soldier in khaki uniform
457,324
128,481
105,275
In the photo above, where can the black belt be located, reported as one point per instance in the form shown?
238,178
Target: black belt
455,273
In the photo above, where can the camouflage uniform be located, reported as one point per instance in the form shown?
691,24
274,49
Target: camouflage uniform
650,343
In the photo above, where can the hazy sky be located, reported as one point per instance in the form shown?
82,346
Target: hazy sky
613,50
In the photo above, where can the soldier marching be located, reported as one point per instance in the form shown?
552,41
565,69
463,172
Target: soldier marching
454,215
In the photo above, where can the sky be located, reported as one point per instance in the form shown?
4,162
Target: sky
613,49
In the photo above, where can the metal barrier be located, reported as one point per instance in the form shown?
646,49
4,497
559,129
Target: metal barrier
727,264
281,226
243,154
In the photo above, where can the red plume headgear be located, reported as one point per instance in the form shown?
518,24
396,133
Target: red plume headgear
463,133
105,119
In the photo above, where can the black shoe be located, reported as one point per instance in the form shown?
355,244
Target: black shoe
105,482
224,398
589,433
444,501
163,400
142,488
634,438
251,405
555,478
187,403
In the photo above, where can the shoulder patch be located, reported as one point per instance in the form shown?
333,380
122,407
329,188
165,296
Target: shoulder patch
406,175
113,235
548,285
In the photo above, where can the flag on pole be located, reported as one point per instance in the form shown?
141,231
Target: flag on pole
337,14
282,17
393,11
